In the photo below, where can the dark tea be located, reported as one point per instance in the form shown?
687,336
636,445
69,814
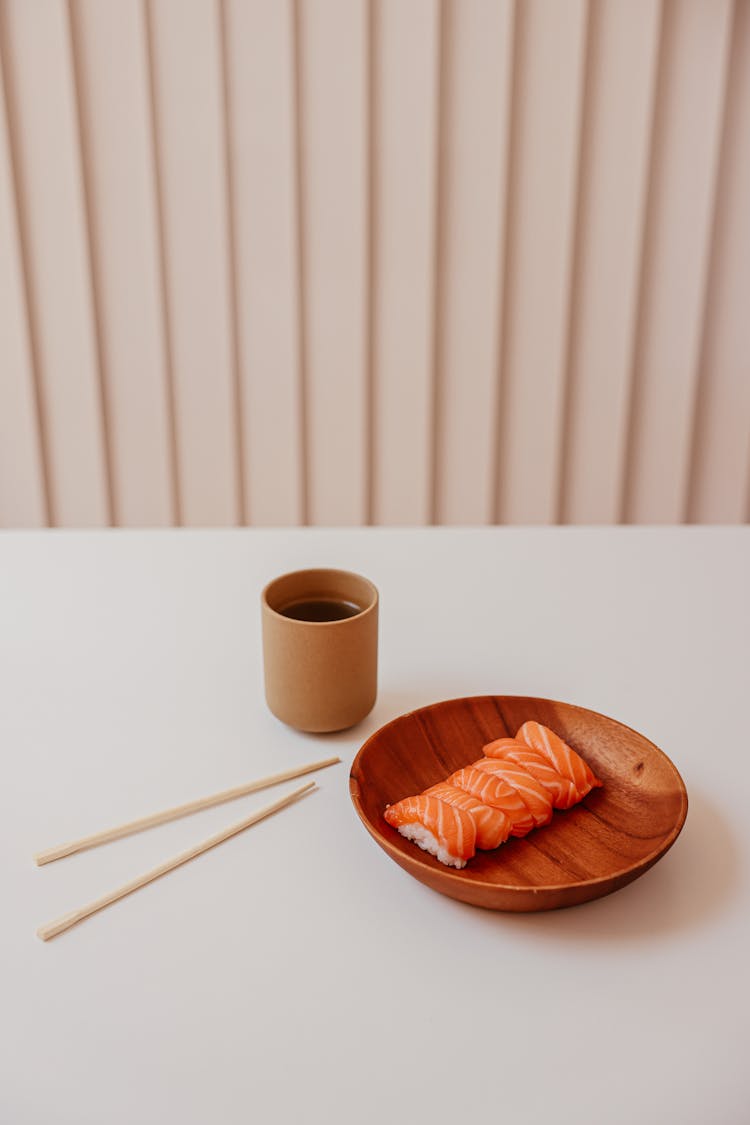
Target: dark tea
320,609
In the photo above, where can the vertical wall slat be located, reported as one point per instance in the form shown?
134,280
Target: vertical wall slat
333,102
118,150
186,47
721,468
22,496
550,60
405,89
260,83
688,130
40,88
623,55
476,105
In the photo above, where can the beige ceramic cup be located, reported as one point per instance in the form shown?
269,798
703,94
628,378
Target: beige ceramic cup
320,675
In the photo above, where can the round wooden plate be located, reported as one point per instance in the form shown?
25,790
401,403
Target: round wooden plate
598,846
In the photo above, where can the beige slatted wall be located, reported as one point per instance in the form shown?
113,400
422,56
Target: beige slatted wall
366,261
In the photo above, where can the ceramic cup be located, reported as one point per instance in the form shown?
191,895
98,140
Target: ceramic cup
320,675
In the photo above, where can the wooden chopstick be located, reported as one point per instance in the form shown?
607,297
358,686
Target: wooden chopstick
52,929
179,810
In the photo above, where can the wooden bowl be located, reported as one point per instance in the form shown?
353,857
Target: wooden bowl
598,846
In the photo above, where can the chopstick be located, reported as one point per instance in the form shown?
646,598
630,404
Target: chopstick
52,929
174,813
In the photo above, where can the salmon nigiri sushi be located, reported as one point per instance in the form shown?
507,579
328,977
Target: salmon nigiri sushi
531,792
493,825
444,831
496,793
561,789
560,755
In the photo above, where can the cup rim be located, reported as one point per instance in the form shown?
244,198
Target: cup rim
369,608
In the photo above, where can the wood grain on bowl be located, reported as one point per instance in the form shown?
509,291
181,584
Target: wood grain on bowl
613,836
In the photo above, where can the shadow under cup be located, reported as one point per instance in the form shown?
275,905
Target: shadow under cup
321,673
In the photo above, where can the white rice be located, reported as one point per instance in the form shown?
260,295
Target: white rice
428,843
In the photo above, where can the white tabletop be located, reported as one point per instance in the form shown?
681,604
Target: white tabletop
296,973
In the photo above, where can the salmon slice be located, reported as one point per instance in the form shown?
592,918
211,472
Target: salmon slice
500,747
444,831
496,793
561,756
493,826
561,789
531,792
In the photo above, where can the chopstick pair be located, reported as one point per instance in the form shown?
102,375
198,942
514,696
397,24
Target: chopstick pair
59,925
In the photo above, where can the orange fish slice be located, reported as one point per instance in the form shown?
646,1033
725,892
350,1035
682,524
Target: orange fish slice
531,792
500,747
496,793
560,755
493,826
561,789
442,830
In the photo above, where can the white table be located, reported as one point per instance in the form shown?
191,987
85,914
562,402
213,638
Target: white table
295,973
